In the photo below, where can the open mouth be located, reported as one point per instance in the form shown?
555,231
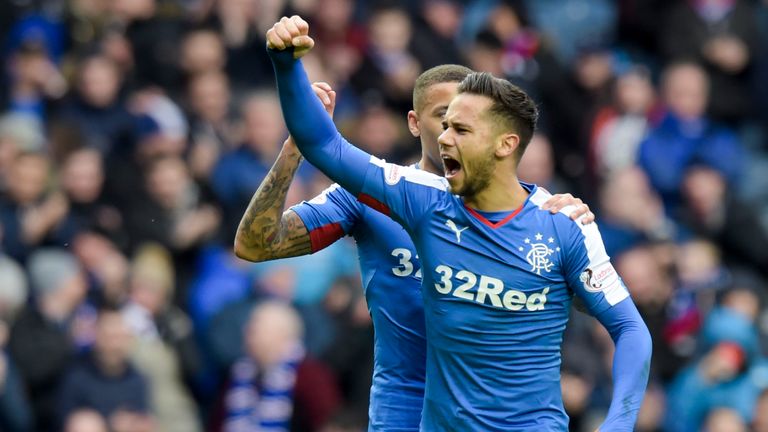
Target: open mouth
450,166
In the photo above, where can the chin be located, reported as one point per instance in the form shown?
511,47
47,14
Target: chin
457,188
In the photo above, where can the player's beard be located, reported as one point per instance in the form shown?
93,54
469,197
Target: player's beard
482,173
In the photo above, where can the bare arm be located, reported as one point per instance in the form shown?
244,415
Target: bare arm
266,232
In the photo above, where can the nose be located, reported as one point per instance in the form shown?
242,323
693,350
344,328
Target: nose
445,138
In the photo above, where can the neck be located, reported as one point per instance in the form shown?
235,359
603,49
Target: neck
54,309
109,365
504,193
425,163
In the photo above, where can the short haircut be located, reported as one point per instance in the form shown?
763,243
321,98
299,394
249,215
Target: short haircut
682,64
510,104
448,73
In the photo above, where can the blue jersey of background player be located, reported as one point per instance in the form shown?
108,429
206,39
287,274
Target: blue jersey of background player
391,270
499,274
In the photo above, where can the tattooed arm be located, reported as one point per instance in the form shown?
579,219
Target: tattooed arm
266,232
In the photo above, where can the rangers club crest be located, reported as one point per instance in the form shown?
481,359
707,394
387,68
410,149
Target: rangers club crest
539,253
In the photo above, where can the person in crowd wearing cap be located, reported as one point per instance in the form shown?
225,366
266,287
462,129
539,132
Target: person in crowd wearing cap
42,330
15,413
105,380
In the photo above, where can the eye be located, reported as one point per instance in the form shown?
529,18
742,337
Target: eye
445,125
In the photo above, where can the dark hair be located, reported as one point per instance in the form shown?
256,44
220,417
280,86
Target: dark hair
447,73
510,104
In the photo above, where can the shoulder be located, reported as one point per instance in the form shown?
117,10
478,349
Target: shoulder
562,219
394,173
540,195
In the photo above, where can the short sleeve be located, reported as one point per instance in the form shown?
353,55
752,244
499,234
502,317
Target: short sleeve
329,216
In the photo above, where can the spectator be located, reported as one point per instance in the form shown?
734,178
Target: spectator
619,128
15,412
718,214
686,136
165,351
97,108
82,181
160,130
651,415
202,51
731,373
380,131
19,133
760,418
722,35
85,420
651,285
242,26
524,55
153,33
181,217
340,39
238,173
13,289
724,420
105,380
575,25
212,133
434,33
388,69
538,165
631,212
107,270
275,371
31,216
35,78
41,343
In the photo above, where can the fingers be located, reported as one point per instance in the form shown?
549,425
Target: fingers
326,95
557,202
303,42
289,32
290,26
300,24
588,218
580,210
274,41
322,93
285,36
323,85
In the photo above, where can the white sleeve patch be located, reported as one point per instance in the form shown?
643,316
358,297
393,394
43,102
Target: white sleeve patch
393,173
322,197
600,276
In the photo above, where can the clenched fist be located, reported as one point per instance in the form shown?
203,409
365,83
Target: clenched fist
290,32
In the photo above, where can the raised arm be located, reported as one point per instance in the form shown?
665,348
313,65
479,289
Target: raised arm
405,193
267,232
314,132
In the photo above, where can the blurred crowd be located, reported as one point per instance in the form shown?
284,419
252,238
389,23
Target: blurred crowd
133,134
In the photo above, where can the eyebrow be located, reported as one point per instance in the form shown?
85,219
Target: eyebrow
456,124
440,109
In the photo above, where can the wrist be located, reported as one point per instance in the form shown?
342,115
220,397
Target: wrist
290,150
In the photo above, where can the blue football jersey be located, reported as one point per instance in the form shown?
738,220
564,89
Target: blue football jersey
496,296
391,276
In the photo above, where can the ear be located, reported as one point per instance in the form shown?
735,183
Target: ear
413,123
507,145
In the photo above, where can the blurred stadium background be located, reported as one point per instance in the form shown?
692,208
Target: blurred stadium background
134,132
